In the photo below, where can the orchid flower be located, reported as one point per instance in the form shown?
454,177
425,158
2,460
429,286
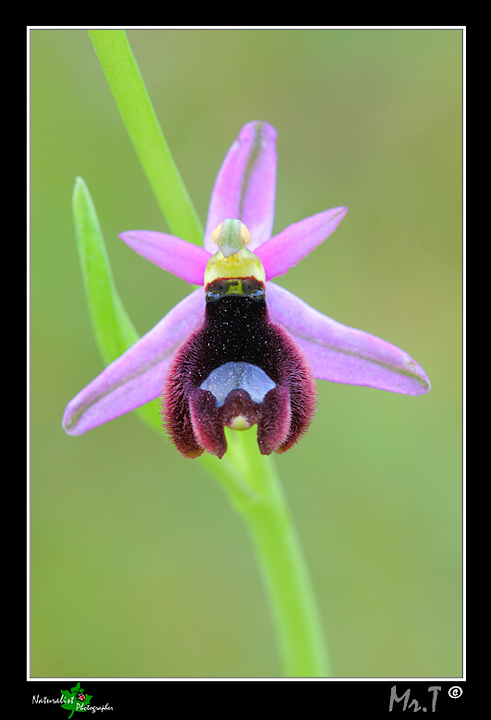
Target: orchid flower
311,344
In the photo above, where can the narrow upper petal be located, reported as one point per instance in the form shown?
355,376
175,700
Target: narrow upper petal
342,354
182,258
285,250
137,376
245,186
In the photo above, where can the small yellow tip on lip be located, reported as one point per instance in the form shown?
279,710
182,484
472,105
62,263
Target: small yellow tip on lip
239,423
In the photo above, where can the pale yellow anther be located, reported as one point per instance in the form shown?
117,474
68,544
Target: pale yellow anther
231,236
233,259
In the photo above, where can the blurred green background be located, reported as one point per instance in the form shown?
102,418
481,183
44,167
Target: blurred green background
139,566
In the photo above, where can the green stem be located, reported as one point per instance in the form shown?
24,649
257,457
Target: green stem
129,91
249,478
293,607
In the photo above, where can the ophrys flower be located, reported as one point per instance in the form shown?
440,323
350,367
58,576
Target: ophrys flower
244,191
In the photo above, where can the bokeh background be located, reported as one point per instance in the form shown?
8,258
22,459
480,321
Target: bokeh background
139,566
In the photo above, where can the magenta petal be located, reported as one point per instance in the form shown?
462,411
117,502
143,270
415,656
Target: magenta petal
342,354
184,259
245,186
137,376
285,250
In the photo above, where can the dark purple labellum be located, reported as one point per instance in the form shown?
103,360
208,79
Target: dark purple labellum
238,369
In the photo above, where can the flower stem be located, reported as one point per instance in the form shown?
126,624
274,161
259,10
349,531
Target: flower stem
259,498
129,91
249,478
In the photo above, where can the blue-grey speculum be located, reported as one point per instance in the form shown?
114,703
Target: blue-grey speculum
238,376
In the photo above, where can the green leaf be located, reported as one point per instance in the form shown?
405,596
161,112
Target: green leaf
114,332
129,91
72,701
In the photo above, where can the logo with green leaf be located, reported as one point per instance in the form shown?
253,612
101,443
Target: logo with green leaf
75,700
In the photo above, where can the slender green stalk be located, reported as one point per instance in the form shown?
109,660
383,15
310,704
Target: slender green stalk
129,91
294,610
249,478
